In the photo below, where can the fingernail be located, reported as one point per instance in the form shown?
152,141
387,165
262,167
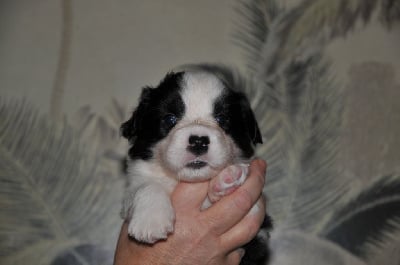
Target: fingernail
263,165
255,209
241,252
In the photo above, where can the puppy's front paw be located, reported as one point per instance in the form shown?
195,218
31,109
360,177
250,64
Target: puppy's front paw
150,224
150,230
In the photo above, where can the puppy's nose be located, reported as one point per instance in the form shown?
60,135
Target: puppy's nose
198,145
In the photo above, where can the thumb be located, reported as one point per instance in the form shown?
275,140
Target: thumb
188,196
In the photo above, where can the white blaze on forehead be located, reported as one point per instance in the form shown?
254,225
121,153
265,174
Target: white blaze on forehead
199,92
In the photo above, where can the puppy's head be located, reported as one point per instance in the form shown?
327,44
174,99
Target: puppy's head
193,125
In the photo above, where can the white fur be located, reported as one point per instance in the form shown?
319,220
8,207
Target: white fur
175,156
147,203
200,90
149,188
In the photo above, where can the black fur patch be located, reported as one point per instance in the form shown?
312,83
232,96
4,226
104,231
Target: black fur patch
144,128
257,251
162,106
233,112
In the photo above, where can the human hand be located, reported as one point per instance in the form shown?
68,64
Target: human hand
212,236
226,182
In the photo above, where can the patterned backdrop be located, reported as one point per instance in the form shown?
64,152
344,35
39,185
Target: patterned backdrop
323,78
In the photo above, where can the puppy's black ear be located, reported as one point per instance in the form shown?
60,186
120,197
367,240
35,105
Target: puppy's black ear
130,128
251,122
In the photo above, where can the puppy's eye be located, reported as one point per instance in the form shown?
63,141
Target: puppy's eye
221,119
170,120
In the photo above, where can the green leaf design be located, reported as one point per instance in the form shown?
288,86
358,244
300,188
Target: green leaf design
51,195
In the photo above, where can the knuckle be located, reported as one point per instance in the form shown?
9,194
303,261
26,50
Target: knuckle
243,200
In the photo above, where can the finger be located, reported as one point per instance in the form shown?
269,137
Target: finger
235,256
246,229
227,212
189,196
227,181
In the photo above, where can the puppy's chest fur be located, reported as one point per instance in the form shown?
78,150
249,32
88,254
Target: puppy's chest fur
188,128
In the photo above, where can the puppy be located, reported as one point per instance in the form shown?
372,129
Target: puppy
189,128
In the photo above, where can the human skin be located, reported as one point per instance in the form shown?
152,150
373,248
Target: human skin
209,237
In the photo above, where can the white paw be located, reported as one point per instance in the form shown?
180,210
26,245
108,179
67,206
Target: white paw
150,224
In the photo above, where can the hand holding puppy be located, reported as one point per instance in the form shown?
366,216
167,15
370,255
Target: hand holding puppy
211,236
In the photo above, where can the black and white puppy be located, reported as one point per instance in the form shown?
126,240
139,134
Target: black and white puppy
188,128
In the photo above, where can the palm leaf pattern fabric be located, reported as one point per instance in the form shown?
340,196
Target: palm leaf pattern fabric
62,181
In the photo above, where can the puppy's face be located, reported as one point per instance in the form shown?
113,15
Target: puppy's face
192,125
